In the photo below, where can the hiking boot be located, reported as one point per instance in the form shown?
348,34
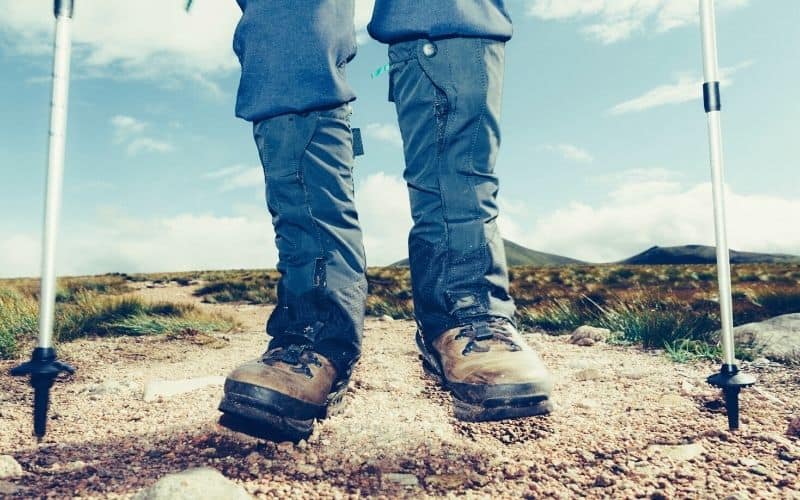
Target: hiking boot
282,393
492,373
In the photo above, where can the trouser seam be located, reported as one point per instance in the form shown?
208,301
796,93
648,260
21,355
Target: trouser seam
317,283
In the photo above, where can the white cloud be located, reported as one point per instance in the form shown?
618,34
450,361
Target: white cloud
363,13
130,131
644,207
685,88
238,176
385,215
650,207
150,39
149,145
146,39
127,126
385,132
116,242
19,255
610,21
570,152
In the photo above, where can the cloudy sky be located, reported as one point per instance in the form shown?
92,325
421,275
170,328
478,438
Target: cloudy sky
604,150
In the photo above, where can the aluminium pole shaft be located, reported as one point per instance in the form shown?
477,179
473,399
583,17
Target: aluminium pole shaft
729,378
55,167
43,367
712,105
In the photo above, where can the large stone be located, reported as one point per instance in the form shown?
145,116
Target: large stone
406,480
588,374
109,387
585,334
777,338
9,468
167,388
203,482
682,452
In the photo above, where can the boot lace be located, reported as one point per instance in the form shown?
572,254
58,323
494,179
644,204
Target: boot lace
299,357
486,330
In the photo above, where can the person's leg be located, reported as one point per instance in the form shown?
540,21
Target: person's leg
302,130
448,97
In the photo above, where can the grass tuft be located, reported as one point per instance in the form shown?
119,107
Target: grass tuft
18,318
83,312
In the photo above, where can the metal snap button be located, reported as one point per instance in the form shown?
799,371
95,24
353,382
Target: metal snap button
429,49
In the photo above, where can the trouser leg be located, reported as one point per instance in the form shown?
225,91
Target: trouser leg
448,95
293,55
308,163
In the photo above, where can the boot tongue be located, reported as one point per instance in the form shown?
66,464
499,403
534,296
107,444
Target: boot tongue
493,329
483,332
291,355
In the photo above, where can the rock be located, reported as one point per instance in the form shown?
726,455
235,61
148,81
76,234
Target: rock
794,427
386,318
585,342
285,447
7,488
447,481
589,332
672,401
74,466
759,470
634,373
603,481
588,404
687,388
588,374
203,482
110,387
406,480
168,388
777,338
682,452
9,468
761,362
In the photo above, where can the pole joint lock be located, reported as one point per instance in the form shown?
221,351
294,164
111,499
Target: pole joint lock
64,8
711,97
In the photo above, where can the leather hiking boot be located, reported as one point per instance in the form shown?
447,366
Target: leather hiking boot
492,373
281,394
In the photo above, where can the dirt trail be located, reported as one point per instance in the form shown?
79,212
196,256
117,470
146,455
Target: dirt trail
618,410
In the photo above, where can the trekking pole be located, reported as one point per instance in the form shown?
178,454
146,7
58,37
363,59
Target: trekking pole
43,368
729,378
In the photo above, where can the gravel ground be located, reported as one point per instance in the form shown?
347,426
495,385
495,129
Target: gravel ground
627,424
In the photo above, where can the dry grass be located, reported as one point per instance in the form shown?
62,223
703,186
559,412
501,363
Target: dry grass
673,307
94,306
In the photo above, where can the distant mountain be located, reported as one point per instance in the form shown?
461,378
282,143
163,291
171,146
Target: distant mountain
518,255
701,254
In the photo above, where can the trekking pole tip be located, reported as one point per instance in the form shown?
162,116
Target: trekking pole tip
731,381
43,369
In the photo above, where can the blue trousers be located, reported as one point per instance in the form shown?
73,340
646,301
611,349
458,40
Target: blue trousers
446,73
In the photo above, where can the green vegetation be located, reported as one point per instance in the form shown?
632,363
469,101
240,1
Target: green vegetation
95,307
17,318
670,307
90,315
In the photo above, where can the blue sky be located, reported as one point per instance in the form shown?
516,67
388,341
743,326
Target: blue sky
604,149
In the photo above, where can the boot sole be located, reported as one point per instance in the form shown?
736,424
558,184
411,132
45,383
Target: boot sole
247,415
491,409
